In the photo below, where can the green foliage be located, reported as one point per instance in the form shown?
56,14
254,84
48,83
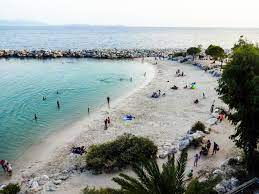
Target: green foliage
239,89
206,187
198,126
215,51
88,190
179,54
151,180
120,153
196,142
193,51
11,189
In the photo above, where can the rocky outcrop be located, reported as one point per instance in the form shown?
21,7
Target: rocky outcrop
94,53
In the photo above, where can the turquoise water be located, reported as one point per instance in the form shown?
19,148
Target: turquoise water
81,83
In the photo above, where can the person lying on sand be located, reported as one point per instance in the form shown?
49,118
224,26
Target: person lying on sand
196,101
174,87
78,150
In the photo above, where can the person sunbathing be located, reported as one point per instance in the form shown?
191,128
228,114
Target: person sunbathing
174,87
196,101
6,166
78,150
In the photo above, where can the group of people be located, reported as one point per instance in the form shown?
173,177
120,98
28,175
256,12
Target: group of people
44,98
6,166
157,94
205,151
107,122
179,73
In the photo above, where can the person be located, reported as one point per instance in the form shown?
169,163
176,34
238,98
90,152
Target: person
105,124
131,79
109,120
57,92
44,98
185,87
208,144
190,174
182,74
35,117
145,74
203,94
88,110
108,101
215,148
163,94
159,92
58,105
212,107
204,151
196,101
6,166
196,158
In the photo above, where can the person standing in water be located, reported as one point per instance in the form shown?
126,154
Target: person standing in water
88,111
58,104
108,101
35,117
131,79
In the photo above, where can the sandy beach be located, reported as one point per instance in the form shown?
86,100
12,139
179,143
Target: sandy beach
164,120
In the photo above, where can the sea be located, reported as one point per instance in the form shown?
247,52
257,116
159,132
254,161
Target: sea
79,84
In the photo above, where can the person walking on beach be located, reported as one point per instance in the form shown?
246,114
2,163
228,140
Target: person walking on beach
212,107
203,94
58,104
215,148
109,120
105,124
196,158
108,101
208,145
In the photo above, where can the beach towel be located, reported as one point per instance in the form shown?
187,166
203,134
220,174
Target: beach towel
128,118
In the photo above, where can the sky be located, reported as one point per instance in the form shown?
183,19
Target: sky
161,13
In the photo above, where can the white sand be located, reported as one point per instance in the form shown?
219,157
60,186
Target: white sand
163,120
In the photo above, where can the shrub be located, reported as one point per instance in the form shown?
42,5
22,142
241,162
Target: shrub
205,187
11,189
198,126
87,190
179,54
196,142
120,153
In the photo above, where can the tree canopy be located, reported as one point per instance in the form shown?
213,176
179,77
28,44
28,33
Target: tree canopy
239,89
193,50
215,51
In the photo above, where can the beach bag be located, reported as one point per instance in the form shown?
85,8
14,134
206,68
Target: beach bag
217,148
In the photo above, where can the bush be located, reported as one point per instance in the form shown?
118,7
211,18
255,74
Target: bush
179,54
120,153
196,142
87,190
206,187
198,126
11,189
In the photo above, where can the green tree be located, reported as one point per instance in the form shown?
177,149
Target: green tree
239,89
216,52
151,180
194,51
11,189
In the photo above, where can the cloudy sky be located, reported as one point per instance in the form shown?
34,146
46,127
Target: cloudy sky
187,13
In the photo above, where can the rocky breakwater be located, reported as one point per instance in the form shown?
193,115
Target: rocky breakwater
94,53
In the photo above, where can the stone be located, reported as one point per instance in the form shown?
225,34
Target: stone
218,172
220,189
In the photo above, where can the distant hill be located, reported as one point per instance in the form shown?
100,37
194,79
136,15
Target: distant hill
21,23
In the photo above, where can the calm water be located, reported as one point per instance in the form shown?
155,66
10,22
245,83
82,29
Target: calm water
119,37
81,83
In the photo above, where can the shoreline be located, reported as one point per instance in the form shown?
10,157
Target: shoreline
164,120
48,146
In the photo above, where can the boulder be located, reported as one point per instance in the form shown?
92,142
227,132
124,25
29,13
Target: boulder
57,182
